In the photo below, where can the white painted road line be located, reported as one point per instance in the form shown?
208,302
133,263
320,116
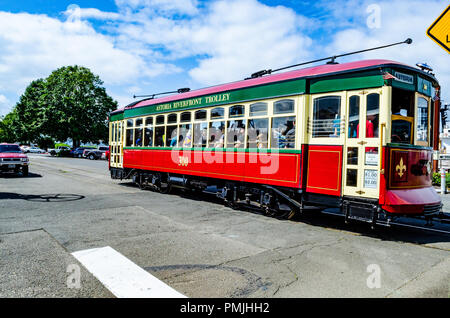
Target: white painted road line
121,276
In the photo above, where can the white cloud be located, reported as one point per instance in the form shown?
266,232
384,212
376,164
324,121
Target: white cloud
230,39
400,20
251,37
74,12
34,45
223,40
4,105
188,7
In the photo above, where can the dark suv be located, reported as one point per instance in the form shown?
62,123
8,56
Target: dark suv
78,152
13,159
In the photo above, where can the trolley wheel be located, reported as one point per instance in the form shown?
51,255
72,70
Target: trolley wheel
165,188
268,211
163,185
286,214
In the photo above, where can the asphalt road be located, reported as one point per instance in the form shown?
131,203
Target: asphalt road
196,245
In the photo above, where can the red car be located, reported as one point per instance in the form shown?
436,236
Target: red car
13,159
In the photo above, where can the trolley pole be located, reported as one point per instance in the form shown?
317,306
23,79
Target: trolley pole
443,183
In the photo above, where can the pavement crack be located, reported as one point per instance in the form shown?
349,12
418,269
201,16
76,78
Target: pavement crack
413,279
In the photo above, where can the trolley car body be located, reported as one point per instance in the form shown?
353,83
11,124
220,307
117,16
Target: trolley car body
358,136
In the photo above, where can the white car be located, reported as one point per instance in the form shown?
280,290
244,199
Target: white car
24,148
35,150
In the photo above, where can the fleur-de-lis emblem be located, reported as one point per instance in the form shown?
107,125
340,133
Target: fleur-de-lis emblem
400,168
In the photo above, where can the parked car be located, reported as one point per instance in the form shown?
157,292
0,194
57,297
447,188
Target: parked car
24,148
13,159
35,150
60,150
94,154
78,152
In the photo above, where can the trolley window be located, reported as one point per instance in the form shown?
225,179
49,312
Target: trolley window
422,119
402,116
353,119
235,134
236,111
160,136
172,119
283,132
373,114
327,116
160,120
200,115
258,109
200,134
171,136
257,133
217,113
185,138
283,106
216,134
129,135
138,132
138,137
113,132
148,132
185,117
148,136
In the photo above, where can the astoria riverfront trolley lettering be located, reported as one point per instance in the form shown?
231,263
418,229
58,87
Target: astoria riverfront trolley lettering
194,102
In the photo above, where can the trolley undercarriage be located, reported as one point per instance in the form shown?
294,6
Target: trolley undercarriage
284,203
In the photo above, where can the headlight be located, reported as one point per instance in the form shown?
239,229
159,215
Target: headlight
24,159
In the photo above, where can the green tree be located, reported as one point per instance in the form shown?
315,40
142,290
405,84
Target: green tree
30,111
76,106
70,103
7,128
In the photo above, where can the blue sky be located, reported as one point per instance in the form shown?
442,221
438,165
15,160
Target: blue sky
150,46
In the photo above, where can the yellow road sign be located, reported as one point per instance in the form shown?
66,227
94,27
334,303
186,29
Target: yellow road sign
439,31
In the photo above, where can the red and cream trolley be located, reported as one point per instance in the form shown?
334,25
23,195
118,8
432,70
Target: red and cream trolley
356,136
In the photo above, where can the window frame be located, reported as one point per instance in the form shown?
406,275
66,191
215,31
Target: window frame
416,119
127,129
343,112
244,114
136,127
152,126
280,100
259,115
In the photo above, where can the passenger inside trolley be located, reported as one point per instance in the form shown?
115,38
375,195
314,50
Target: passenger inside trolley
290,135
